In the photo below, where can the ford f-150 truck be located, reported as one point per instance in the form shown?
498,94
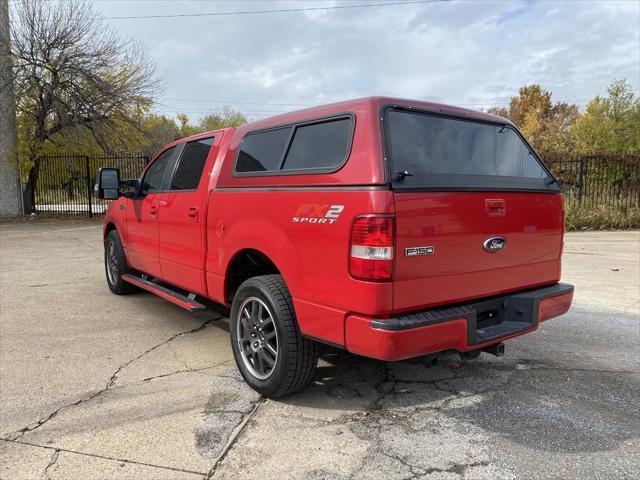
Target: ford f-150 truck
390,228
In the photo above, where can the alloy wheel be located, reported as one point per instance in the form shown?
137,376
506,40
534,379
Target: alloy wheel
112,263
257,338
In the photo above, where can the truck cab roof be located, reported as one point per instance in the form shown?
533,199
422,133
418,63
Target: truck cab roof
377,102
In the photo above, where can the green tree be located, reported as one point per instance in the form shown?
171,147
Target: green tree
610,124
158,130
186,129
227,118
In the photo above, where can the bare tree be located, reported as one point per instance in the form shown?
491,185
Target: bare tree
72,70
10,204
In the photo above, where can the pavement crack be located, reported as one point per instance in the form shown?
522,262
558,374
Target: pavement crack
416,472
64,233
16,435
52,462
234,437
385,387
114,377
456,468
13,436
105,457
189,370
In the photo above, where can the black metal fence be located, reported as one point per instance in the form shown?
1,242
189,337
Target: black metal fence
599,180
65,182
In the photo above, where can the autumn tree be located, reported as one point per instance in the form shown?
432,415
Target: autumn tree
73,73
547,126
610,124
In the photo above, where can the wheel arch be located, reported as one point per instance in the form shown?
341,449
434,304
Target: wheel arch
243,265
108,228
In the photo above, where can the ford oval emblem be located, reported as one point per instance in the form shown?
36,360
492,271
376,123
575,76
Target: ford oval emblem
494,244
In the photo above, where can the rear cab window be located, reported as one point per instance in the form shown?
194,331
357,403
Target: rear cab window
436,152
320,146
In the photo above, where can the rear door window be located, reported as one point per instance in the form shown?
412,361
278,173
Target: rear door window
191,164
441,152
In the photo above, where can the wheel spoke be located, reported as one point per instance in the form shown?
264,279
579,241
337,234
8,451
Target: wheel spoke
254,358
245,323
269,361
261,368
271,350
270,335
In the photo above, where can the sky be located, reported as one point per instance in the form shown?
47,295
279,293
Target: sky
468,53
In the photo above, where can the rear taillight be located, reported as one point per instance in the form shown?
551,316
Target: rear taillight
372,248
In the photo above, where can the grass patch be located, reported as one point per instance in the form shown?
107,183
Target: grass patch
599,217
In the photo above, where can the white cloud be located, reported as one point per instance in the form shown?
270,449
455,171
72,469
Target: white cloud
459,52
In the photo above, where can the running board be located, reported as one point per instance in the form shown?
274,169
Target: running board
188,303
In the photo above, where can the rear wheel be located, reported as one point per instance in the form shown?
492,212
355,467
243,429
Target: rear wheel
115,264
270,352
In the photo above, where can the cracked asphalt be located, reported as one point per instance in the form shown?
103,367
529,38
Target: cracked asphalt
96,386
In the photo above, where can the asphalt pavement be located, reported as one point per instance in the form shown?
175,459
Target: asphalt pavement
98,386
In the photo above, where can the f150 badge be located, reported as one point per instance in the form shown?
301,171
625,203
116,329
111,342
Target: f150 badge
310,213
413,251
494,244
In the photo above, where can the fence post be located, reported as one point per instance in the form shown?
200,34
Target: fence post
581,181
89,186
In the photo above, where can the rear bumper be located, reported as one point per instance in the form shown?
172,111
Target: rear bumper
463,327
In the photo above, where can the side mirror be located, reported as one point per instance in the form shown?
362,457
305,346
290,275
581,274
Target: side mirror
108,184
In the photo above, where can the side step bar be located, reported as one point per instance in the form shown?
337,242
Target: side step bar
188,303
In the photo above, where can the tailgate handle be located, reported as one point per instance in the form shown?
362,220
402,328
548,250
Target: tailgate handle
495,207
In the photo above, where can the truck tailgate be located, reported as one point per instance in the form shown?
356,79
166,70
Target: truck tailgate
454,226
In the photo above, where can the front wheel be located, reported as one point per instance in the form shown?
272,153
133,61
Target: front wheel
115,264
271,353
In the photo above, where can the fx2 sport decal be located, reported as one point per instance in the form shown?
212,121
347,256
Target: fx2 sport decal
311,213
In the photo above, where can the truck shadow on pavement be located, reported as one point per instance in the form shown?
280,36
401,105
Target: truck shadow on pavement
482,418
540,405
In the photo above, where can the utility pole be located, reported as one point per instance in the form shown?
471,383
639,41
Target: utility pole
10,189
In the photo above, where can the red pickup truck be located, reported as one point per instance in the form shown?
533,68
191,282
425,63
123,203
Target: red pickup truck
390,228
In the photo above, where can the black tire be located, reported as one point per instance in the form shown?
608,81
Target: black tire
115,282
297,356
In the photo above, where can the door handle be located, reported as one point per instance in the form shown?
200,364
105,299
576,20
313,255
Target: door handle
153,211
495,207
192,212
